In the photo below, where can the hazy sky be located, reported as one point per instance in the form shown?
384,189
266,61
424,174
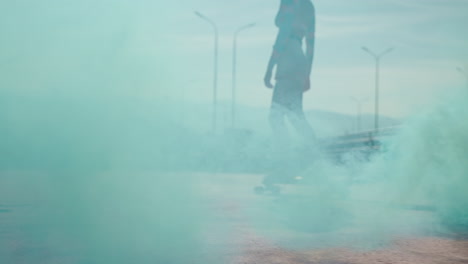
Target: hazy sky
117,47
428,37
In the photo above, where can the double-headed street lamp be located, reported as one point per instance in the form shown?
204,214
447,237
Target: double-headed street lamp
377,58
234,65
215,68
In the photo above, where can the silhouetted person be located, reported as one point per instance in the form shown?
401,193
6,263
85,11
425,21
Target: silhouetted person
295,21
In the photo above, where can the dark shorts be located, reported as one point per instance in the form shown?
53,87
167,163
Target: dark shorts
288,93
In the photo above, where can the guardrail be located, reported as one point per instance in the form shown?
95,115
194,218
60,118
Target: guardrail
364,143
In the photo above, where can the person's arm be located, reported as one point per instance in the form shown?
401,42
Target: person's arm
310,43
283,18
269,71
310,47
278,49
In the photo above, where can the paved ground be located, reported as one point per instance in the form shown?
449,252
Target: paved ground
245,232
404,251
248,245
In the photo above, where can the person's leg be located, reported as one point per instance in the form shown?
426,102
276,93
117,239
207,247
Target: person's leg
279,144
296,115
278,112
302,126
277,123
309,150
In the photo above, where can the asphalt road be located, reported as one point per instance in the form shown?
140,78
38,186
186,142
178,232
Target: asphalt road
302,225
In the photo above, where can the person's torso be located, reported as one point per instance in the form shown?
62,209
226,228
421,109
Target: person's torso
292,62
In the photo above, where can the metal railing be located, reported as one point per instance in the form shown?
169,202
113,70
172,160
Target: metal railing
365,142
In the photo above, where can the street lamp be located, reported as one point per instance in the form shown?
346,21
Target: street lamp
215,67
234,65
359,103
377,58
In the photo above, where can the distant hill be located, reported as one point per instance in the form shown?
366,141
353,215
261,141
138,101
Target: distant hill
53,132
325,123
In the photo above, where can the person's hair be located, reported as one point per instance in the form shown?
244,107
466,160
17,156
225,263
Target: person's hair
301,11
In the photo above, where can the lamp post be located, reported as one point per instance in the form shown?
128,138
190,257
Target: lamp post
359,103
215,68
234,72
377,58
